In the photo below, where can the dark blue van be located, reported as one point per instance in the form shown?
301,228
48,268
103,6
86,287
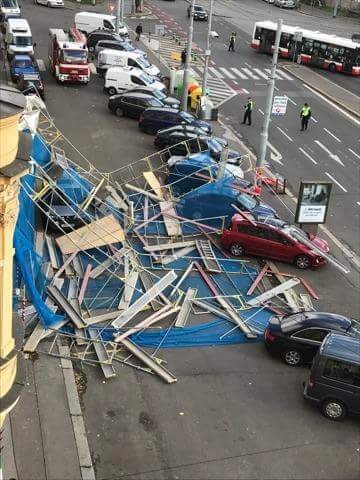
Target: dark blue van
154,119
334,382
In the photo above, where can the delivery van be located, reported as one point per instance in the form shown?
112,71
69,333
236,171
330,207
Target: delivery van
87,22
9,9
119,58
120,79
18,38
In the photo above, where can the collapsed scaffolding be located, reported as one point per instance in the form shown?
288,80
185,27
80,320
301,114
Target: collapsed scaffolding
105,257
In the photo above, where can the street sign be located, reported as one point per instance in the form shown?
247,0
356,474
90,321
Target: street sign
279,105
298,36
159,29
313,202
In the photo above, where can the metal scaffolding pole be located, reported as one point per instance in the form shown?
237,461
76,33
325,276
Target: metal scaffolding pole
186,78
260,160
207,50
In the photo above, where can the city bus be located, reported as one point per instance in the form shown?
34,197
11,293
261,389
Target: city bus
316,49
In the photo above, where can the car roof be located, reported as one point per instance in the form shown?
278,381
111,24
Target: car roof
341,347
162,109
115,41
328,320
137,95
22,57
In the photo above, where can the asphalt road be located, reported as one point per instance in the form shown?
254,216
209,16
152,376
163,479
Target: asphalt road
329,150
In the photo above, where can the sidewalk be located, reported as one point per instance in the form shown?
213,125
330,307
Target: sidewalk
339,95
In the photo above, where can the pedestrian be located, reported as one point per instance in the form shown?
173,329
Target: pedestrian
305,115
183,57
248,109
138,6
232,42
138,31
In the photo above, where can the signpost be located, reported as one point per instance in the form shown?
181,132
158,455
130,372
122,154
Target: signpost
159,29
313,202
279,106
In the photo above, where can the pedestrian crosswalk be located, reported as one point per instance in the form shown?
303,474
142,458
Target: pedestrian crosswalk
235,74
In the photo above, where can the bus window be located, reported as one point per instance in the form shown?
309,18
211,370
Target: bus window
285,40
307,46
335,53
257,33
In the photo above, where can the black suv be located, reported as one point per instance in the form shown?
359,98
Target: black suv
97,35
199,13
132,104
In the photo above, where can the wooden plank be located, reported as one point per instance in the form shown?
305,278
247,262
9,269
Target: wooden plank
144,300
99,269
118,201
183,252
65,305
101,232
306,302
290,296
84,283
129,290
147,282
184,313
154,183
273,292
135,189
170,246
257,280
84,206
172,224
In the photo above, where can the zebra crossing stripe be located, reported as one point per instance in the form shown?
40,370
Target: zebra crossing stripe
262,74
227,73
249,73
285,75
238,73
215,72
276,74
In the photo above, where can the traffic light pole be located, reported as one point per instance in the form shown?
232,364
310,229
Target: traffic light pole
186,78
260,160
207,50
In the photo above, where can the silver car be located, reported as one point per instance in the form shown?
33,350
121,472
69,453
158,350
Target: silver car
285,3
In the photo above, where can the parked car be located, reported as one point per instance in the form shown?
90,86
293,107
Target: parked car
199,13
285,3
132,104
334,381
162,136
269,1
121,45
31,84
297,337
276,242
154,119
168,101
120,79
87,22
50,3
98,35
21,64
115,58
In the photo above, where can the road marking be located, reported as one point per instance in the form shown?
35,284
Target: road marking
247,64
41,64
308,156
276,88
245,91
275,155
337,183
336,138
346,114
292,101
285,75
215,72
354,153
331,155
313,119
285,134
249,73
262,74
268,70
262,113
227,73
238,73
358,203
92,68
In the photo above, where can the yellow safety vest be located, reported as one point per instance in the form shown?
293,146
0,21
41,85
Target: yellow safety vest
250,105
305,111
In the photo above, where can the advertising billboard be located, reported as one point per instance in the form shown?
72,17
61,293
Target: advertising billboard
313,202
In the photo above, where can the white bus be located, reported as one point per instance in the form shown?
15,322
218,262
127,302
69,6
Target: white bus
316,49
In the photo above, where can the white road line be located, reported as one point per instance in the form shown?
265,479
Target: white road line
284,133
331,155
285,75
249,73
335,181
238,73
276,88
245,91
262,113
268,70
346,114
308,156
292,101
358,203
336,138
313,119
262,74
247,64
354,153
215,72
227,73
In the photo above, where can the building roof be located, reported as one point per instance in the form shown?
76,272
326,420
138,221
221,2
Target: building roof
11,101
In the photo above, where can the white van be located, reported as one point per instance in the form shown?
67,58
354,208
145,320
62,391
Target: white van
50,3
18,38
120,79
119,58
8,9
88,22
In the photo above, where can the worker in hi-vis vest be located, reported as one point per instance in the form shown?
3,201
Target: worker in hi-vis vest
305,115
248,110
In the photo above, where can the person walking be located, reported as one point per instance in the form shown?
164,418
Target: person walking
305,115
232,42
183,57
138,31
248,110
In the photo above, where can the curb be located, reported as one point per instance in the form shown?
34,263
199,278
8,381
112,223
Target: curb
323,93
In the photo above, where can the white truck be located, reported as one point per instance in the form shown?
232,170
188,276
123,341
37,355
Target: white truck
119,58
18,38
87,22
120,79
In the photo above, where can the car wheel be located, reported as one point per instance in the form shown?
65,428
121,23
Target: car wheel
302,262
237,250
119,112
292,358
91,49
332,68
333,409
112,91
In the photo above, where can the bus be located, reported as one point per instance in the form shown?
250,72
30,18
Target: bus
316,49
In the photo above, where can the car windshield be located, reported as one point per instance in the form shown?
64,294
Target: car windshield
246,201
9,4
354,330
127,46
23,63
198,8
143,62
22,41
187,117
146,78
159,95
291,322
74,56
214,145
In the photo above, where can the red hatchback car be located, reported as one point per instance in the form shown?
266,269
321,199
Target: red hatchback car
273,239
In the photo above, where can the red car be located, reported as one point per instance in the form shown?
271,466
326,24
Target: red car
275,239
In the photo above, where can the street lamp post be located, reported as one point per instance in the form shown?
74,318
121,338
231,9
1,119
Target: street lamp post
260,160
118,15
186,77
207,50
